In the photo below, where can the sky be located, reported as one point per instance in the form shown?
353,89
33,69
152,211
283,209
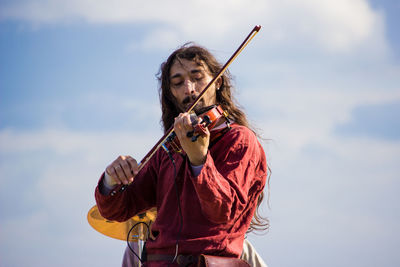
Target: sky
320,82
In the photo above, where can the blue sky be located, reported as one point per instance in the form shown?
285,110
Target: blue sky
321,82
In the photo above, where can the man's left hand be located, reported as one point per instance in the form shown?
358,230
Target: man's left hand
196,151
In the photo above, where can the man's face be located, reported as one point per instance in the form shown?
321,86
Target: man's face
188,79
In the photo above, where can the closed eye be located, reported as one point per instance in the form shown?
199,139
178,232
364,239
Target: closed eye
176,84
197,75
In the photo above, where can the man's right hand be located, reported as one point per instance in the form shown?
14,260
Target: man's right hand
121,171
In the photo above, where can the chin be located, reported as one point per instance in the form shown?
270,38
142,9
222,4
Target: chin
199,107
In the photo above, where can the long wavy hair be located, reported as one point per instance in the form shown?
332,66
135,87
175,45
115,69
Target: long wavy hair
170,110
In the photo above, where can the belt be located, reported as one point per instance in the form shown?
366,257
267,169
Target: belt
182,260
200,260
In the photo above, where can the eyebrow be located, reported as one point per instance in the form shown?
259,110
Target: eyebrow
194,71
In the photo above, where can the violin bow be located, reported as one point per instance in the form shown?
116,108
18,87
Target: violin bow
246,41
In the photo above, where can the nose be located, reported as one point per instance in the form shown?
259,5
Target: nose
189,87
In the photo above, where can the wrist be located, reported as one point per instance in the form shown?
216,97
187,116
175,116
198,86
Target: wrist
109,181
198,159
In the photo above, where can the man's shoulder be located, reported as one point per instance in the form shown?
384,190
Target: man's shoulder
239,136
241,132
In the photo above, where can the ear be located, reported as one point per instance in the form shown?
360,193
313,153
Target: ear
218,83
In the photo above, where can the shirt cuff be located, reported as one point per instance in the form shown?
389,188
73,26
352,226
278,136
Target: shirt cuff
106,189
196,169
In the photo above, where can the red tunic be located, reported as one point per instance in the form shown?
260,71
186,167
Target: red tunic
217,205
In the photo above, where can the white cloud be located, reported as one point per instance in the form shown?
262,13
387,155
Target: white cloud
334,26
297,117
162,36
48,177
337,25
305,182
324,187
65,142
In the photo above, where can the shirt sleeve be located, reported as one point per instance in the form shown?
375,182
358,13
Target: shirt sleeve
233,176
121,204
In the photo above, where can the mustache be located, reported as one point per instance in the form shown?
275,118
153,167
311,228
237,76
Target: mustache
188,99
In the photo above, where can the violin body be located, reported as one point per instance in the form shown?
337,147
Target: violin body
207,119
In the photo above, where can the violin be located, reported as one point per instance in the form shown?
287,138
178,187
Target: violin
208,120
205,119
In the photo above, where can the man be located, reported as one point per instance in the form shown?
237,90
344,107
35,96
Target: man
205,196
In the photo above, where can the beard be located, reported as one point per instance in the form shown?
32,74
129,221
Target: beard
188,101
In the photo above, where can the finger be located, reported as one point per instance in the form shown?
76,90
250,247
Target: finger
178,124
133,165
186,121
194,119
183,122
179,130
121,175
127,170
124,172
